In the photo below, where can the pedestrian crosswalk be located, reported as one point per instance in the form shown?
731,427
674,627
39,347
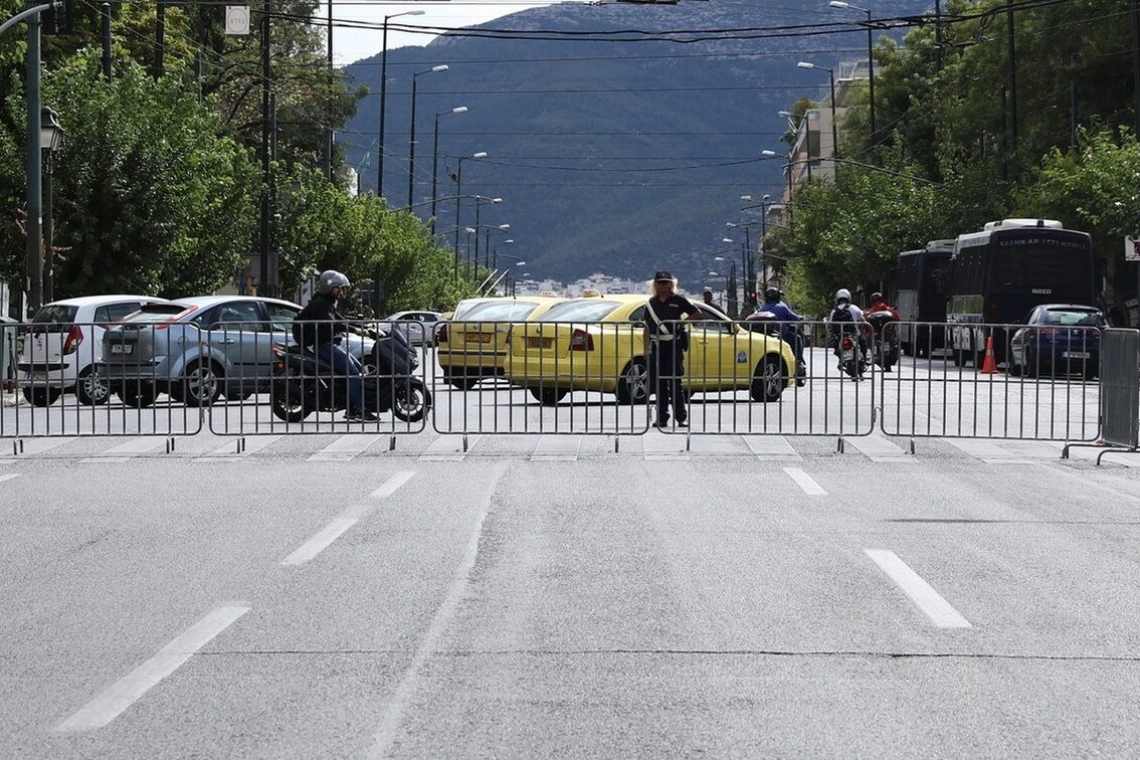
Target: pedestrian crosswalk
653,446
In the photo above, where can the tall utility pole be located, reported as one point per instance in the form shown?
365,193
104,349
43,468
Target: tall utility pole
328,127
1012,80
264,286
34,260
384,98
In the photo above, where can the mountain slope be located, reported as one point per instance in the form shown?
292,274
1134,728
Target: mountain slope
621,155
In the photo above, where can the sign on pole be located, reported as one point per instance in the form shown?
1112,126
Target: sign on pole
1131,249
237,19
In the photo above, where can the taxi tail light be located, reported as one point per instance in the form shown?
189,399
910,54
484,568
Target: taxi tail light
442,337
73,339
581,340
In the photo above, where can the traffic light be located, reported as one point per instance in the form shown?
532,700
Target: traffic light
59,19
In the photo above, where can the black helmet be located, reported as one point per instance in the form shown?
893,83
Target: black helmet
772,294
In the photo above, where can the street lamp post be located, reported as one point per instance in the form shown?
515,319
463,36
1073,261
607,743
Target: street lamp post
383,98
435,160
487,242
412,142
495,254
870,59
834,123
458,199
479,201
51,139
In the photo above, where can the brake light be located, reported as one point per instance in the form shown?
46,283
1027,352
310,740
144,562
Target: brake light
73,339
847,343
442,336
581,340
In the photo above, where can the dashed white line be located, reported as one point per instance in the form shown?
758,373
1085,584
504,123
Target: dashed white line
920,592
335,529
131,687
804,481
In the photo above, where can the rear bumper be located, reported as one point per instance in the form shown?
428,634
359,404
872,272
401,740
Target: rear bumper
42,367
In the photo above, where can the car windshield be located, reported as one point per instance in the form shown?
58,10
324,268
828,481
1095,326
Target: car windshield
1074,318
592,310
506,311
56,317
156,312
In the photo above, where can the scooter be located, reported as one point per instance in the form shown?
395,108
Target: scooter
884,339
849,350
303,384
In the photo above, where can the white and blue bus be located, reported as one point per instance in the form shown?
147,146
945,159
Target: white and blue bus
1003,271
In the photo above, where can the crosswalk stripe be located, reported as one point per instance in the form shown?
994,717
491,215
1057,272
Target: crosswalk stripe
230,453
124,452
770,447
345,448
557,448
879,449
448,448
986,451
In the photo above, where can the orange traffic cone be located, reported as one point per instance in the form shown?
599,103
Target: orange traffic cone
989,366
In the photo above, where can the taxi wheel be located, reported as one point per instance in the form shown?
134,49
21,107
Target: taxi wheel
463,382
633,385
41,396
202,384
768,382
92,389
549,396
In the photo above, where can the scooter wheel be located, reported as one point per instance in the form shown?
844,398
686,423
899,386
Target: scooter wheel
288,406
409,402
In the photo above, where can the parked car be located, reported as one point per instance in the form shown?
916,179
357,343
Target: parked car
420,328
596,344
473,344
1058,339
63,343
197,349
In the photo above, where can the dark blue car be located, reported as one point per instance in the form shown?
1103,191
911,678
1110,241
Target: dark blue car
1058,339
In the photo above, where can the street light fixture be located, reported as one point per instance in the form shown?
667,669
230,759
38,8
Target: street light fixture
870,58
412,143
383,99
51,140
834,123
459,199
479,201
435,160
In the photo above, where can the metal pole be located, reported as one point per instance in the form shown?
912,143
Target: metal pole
106,13
760,248
263,282
159,39
328,127
34,258
458,207
434,170
834,123
1136,114
412,143
49,232
871,74
383,100
1012,81
478,206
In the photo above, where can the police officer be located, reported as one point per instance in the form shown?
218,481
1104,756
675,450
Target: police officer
662,341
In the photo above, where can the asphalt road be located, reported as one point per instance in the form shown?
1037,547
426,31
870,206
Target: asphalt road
571,596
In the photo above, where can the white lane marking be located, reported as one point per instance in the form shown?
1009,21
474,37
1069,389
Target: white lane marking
35,446
804,481
125,451
448,448
386,734
319,542
335,529
9,476
984,450
131,687
557,448
230,453
390,486
770,447
345,448
920,592
879,449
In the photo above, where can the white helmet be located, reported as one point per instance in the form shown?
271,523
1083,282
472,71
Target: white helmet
843,294
330,279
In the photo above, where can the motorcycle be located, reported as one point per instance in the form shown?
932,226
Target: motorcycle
767,323
302,383
884,339
846,340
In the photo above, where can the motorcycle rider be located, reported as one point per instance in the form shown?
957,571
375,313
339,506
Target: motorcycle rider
878,303
879,325
774,304
319,326
846,313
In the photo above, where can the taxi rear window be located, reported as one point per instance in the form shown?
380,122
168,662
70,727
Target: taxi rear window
154,313
508,311
579,311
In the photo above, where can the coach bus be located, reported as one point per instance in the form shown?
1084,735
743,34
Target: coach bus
922,282
1003,271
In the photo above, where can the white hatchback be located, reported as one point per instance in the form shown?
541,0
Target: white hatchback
63,344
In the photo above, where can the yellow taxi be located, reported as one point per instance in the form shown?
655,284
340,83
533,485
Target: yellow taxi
473,343
596,344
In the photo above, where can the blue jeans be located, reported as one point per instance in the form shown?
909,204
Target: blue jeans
344,364
666,368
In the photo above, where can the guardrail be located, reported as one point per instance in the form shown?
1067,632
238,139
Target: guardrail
740,378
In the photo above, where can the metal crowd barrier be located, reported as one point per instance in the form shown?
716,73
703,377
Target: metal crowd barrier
572,378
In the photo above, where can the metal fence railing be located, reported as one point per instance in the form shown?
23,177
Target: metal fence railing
583,378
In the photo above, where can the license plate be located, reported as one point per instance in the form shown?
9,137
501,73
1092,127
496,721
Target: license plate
539,342
478,337
1075,354
847,354
121,348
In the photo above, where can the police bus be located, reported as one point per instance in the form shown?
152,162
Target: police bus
1003,271
922,282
